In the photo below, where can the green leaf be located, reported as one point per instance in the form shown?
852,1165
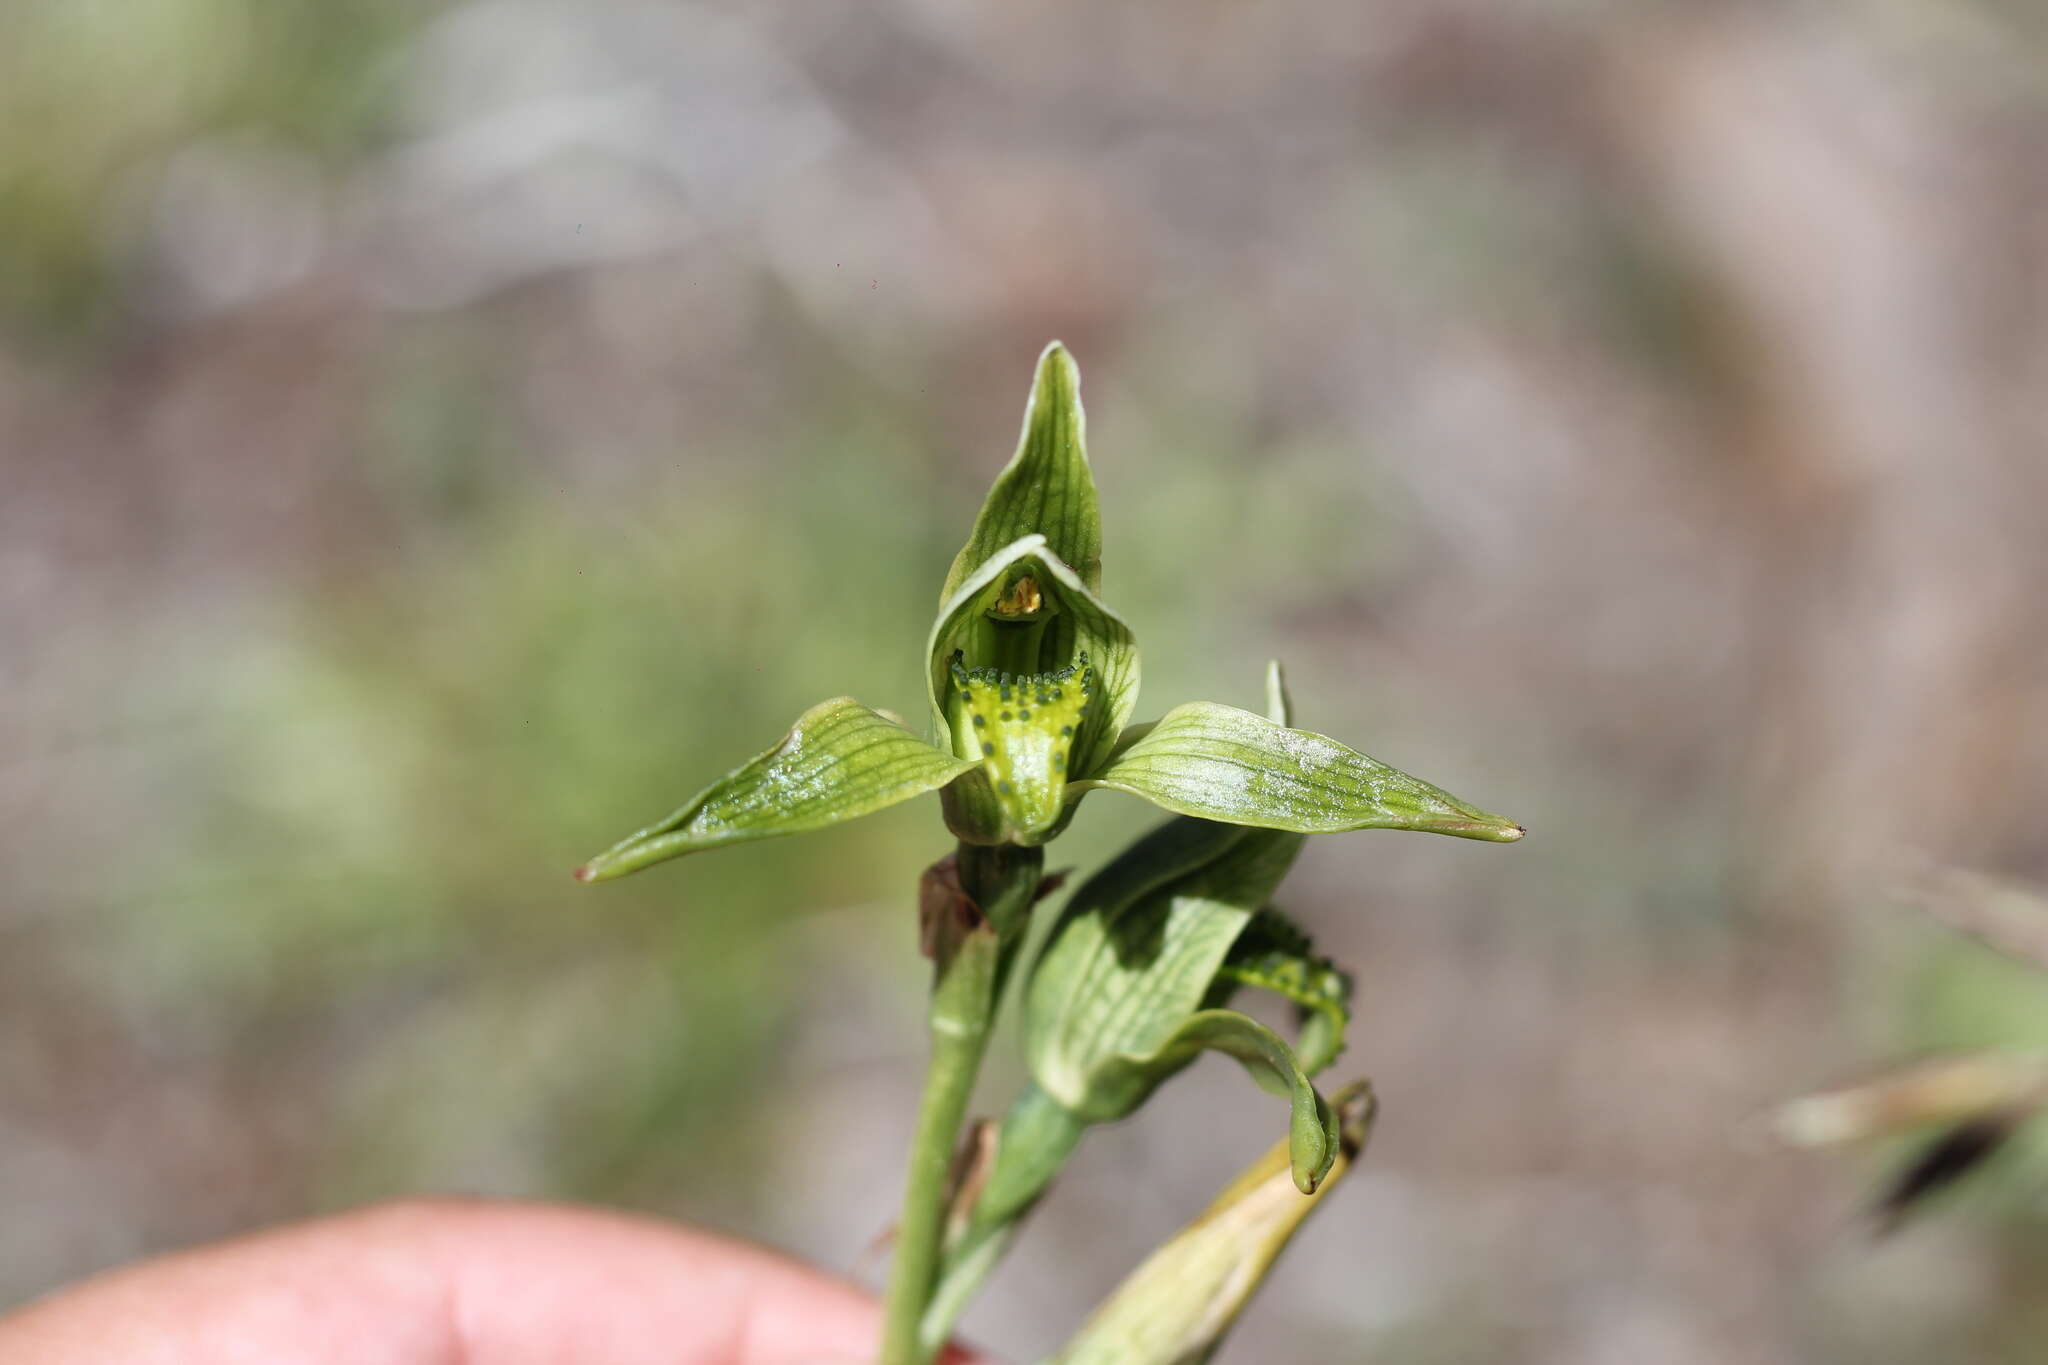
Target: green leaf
1115,1004
838,761
1220,763
1176,1308
1047,488
1067,622
1136,951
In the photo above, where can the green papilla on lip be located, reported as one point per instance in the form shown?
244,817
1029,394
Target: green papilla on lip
1021,728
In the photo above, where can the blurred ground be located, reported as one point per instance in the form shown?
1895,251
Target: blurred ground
434,439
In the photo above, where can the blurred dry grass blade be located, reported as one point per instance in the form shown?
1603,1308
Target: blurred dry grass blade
1948,1090
1979,1100
1176,1308
2011,917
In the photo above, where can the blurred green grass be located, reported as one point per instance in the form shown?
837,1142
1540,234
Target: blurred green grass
93,92
375,838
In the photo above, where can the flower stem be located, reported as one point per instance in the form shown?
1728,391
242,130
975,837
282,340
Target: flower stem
1037,1137
1000,882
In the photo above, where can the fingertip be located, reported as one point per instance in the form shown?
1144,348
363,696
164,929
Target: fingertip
439,1280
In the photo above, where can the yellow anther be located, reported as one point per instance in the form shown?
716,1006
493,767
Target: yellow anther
1021,598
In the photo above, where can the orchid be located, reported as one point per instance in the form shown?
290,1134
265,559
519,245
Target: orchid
1031,683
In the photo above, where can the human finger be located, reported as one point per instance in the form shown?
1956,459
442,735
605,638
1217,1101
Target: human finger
457,1283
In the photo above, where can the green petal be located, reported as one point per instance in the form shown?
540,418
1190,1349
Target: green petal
838,761
1220,763
1047,488
1075,622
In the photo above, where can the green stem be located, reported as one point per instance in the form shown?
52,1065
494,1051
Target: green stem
1037,1137
1002,881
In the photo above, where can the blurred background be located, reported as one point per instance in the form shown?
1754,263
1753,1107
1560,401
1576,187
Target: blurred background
436,438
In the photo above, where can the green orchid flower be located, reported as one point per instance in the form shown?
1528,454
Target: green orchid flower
1032,681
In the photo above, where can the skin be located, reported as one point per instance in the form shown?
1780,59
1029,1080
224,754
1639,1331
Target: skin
457,1283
